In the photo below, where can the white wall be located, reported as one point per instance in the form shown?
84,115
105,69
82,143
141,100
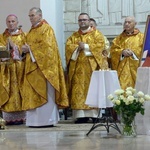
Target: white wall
18,7
52,12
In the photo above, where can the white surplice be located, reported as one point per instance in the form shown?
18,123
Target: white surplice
45,115
85,113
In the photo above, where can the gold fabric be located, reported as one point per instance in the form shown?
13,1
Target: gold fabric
47,67
126,68
11,75
80,70
107,44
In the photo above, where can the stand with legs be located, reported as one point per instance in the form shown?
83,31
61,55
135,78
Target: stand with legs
103,83
107,121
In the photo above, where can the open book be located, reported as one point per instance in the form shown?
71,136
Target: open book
4,53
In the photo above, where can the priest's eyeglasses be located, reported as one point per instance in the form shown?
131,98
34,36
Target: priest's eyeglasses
80,20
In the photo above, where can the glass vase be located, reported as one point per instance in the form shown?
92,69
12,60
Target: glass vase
129,130
128,127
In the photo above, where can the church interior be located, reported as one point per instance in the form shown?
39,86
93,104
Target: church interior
66,135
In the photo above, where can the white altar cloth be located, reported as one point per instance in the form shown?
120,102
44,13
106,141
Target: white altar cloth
101,85
143,84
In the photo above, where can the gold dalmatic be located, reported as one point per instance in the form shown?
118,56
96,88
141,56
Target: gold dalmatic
127,67
80,70
46,68
11,75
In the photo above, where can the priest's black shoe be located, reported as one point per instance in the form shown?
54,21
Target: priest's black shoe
98,120
47,126
81,120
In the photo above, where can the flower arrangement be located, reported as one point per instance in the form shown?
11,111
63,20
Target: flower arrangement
127,103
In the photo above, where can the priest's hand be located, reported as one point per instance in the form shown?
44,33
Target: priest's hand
127,53
105,53
81,46
25,48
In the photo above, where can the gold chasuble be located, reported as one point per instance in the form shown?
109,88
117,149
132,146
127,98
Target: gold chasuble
11,75
46,68
127,66
80,70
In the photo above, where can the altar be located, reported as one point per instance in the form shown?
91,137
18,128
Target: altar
143,84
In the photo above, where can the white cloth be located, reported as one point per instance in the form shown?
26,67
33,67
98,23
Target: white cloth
85,113
75,55
31,54
87,52
14,116
133,56
101,85
143,84
47,114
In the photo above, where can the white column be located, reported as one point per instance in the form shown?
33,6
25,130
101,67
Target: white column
53,14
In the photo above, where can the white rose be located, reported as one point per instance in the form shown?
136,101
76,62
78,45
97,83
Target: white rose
127,102
119,92
147,97
117,102
122,97
140,94
130,98
111,97
141,100
133,91
124,100
129,92
113,101
129,88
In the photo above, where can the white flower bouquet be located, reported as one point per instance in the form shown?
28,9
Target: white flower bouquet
127,103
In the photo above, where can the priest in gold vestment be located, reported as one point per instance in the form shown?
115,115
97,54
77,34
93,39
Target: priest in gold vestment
107,43
83,56
11,73
126,52
44,83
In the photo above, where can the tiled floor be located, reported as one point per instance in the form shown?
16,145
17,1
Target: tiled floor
24,138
